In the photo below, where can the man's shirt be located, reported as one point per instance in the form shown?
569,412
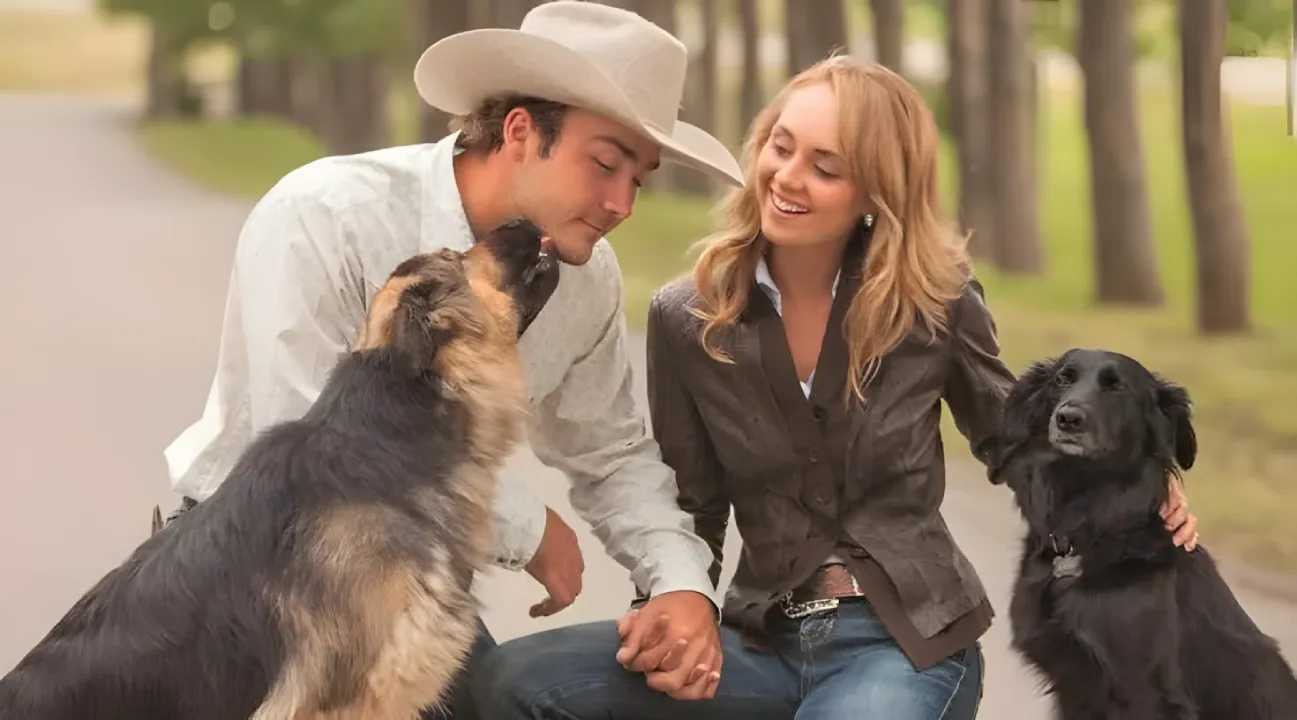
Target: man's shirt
313,252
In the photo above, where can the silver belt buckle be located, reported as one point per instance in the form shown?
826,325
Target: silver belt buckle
797,611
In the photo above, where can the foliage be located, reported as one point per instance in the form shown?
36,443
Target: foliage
267,29
1257,27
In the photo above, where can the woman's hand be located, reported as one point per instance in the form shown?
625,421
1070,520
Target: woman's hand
1175,511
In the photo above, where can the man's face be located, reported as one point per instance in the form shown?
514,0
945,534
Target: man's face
587,184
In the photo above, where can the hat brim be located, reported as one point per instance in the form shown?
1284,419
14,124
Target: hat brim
458,72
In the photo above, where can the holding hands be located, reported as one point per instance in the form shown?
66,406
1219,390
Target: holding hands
675,641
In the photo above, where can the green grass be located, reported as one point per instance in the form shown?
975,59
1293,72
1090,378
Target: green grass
242,157
1245,389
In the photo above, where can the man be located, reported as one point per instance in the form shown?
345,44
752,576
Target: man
560,121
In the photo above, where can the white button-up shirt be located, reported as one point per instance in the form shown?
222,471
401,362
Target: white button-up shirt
313,252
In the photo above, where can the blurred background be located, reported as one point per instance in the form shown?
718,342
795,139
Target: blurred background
1127,169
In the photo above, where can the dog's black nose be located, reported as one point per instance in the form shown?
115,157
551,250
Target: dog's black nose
1070,418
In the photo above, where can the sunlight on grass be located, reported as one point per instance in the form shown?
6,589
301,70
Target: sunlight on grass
51,52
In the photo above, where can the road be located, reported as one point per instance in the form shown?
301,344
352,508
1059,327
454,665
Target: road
110,354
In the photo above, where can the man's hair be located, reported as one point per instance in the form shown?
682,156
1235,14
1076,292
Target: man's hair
483,129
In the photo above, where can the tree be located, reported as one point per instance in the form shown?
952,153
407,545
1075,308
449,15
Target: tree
1125,259
430,21
889,33
751,96
813,36
1220,233
968,108
701,92
174,26
1012,150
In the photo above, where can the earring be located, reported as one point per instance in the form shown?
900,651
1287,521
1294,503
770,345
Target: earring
869,220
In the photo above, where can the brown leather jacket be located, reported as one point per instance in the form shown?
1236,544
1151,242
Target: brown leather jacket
808,478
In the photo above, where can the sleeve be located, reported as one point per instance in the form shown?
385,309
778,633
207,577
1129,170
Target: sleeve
978,381
592,430
300,307
686,448
289,311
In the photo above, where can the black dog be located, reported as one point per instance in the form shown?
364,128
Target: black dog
1120,621
329,575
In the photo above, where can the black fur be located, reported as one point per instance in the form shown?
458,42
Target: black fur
1147,630
184,628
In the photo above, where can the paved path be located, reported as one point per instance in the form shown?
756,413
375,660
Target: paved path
88,405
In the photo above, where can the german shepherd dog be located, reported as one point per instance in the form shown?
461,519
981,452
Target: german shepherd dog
1121,623
329,576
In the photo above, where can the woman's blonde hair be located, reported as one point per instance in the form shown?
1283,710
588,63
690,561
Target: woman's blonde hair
916,262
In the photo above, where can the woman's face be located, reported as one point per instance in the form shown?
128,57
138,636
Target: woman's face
804,188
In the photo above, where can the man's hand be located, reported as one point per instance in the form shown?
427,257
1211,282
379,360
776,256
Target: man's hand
558,565
675,641
1175,511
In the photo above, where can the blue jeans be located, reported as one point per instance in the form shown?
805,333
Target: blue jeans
842,665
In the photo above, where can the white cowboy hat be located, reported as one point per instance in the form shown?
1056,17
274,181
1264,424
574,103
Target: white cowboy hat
585,54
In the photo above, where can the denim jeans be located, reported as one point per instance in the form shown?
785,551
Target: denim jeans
836,666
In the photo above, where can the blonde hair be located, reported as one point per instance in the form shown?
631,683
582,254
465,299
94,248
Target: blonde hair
916,262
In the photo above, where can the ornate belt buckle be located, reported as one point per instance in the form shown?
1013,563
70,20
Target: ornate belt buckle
797,611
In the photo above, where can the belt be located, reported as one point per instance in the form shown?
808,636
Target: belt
823,592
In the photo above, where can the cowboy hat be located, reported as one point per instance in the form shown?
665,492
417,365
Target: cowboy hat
584,54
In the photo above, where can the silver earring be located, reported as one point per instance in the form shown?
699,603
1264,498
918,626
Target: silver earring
869,220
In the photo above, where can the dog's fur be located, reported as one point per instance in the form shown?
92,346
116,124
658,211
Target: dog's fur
330,575
1146,630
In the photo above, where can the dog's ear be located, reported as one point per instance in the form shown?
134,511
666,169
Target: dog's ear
1026,414
1173,402
415,337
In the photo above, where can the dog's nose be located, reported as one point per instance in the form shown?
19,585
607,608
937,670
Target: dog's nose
1070,418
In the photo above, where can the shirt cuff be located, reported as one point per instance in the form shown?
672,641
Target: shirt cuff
519,525
680,571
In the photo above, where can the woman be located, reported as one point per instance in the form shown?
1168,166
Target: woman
796,378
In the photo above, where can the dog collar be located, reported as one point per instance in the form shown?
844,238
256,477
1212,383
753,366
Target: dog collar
1067,564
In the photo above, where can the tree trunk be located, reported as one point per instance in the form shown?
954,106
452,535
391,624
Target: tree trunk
1220,233
751,95
663,13
165,78
432,20
968,107
889,33
1125,259
265,87
811,37
509,13
700,97
1012,151
355,103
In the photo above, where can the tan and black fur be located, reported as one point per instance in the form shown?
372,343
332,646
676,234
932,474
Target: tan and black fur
329,576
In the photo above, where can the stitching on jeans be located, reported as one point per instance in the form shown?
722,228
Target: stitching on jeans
981,670
958,683
558,692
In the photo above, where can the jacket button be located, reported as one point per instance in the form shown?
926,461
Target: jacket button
818,412
814,454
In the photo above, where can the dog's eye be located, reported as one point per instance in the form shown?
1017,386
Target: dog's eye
1065,377
1108,380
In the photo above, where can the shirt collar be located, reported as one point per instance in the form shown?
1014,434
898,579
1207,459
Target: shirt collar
444,223
767,283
